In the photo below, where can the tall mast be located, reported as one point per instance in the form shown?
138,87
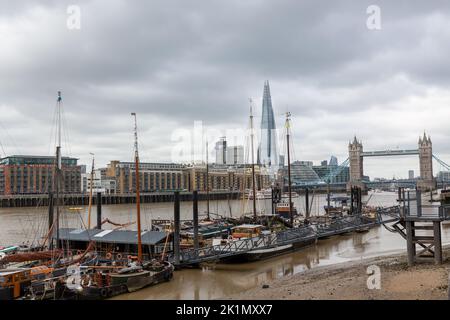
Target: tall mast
288,119
253,160
90,192
138,195
58,167
207,181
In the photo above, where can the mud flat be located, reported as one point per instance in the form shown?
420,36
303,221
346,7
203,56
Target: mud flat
348,281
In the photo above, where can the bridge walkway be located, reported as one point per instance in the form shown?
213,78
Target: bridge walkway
299,235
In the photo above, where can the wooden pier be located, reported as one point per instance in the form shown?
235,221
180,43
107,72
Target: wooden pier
35,200
420,225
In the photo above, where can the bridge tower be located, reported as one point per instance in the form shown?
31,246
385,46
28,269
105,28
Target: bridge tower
355,155
426,181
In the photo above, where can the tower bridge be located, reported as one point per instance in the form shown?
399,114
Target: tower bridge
424,151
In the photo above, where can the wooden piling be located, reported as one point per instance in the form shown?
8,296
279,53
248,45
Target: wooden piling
195,217
410,244
437,242
99,210
307,203
176,233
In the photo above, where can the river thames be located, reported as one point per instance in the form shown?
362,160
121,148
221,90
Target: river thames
213,281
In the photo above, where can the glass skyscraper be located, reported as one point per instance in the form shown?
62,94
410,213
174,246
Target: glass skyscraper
267,151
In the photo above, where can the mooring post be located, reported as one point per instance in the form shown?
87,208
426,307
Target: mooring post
176,232
437,242
410,245
307,203
328,196
401,203
419,202
99,210
195,217
351,201
358,193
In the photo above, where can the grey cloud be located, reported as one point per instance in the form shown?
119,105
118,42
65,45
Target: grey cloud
174,62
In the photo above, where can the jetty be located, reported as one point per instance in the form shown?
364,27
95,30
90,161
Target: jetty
80,199
297,237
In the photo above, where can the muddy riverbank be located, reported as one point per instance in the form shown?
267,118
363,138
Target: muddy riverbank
348,281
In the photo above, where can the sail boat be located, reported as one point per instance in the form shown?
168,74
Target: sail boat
111,278
286,209
253,214
39,272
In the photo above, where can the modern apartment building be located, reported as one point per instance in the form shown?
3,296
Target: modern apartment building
25,174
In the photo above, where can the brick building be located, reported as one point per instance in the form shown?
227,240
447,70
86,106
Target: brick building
21,174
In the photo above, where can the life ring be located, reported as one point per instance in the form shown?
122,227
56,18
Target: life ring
70,253
79,252
108,255
119,256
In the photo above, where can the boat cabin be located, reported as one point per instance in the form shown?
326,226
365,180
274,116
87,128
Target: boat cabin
14,283
115,242
339,206
282,209
246,231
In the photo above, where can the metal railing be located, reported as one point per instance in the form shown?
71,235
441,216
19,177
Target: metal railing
301,234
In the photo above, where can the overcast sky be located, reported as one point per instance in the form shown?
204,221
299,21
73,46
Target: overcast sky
176,62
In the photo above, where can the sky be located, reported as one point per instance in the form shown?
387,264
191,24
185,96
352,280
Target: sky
178,64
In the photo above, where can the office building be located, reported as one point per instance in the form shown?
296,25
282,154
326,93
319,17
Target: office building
221,151
235,155
333,161
267,150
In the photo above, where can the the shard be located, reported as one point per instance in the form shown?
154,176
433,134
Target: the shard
267,151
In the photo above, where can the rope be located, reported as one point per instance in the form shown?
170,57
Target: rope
120,225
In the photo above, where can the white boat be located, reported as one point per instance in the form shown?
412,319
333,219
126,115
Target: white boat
261,194
293,195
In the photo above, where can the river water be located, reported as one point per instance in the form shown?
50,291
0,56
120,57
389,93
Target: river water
214,281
